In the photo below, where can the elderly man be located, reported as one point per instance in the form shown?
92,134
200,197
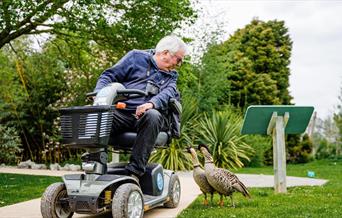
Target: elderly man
151,71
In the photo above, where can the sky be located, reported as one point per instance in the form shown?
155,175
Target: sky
315,28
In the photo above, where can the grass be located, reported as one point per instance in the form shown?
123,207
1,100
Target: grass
16,188
325,201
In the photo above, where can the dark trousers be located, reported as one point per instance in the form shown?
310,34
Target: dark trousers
147,128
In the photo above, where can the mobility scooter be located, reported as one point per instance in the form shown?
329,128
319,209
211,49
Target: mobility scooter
105,186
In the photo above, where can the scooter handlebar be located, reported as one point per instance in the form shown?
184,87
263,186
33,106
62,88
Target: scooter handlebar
131,93
91,94
128,93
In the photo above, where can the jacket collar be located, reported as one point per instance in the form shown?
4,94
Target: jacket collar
154,63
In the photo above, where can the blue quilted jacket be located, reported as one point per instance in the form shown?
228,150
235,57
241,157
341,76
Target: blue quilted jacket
133,71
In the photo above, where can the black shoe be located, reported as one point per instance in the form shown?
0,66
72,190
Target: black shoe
131,174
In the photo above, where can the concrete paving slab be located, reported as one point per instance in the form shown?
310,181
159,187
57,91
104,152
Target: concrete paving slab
36,172
260,180
190,191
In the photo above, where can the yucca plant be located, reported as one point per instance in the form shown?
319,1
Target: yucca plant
221,132
175,157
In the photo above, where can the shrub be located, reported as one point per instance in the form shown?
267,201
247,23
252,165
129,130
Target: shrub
302,152
10,144
297,150
260,144
221,132
328,150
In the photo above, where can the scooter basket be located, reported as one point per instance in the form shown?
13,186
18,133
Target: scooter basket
86,126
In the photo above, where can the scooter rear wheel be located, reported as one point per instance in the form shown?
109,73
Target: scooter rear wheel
128,202
52,204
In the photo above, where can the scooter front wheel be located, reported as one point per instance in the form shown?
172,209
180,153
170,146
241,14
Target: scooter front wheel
128,202
53,203
174,192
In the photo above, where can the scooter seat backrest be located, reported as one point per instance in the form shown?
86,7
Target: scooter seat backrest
125,141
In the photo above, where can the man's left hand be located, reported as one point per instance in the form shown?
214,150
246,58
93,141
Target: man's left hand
142,108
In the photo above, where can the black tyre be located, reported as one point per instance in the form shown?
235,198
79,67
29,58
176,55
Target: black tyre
174,192
128,202
52,204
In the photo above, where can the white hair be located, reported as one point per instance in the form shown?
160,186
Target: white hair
172,44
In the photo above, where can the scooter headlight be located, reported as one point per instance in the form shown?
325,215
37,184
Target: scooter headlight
160,181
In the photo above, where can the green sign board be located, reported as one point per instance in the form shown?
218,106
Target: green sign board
257,118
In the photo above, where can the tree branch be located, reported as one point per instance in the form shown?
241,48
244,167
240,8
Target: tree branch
28,25
33,13
40,31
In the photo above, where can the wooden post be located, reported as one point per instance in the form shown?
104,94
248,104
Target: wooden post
277,126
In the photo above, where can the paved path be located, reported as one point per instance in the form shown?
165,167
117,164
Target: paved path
31,209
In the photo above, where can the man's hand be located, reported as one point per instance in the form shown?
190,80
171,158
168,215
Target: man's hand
142,108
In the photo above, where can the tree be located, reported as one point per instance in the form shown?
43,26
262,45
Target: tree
328,137
36,82
255,61
338,121
88,36
119,24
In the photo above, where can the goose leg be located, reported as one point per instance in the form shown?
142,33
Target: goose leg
231,199
205,199
221,203
211,198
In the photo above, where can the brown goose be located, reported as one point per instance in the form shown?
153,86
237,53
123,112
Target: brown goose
199,177
222,180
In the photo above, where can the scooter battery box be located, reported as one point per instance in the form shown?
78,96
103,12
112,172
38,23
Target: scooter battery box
152,182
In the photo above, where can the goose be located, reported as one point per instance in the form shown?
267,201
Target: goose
222,180
200,178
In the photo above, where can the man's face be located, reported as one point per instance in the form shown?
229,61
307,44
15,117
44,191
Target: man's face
170,61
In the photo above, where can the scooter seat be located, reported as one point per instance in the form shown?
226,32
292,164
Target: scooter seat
125,141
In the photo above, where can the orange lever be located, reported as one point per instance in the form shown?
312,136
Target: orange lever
120,105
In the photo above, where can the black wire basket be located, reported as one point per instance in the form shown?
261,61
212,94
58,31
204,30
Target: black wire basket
86,126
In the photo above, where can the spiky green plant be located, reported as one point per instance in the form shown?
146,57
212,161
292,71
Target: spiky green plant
175,157
221,132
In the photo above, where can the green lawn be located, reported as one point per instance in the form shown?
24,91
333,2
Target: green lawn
16,188
307,201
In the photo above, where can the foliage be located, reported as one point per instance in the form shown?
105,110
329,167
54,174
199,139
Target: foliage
30,187
10,145
260,144
221,132
302,201
83,63
35,84
172,158
175,158
326,149
187,80
298,150
196,76
327,137
338,121
211,83
302,152
255,61
117,25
